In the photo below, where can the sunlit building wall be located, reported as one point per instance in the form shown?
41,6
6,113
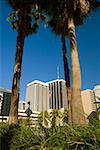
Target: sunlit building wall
57,94
37,93
88,100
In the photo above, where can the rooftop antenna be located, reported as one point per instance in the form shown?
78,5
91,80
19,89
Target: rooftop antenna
58,72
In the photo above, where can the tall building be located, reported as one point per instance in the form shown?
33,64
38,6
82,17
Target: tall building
57,94
44,96
97,96
37,93
88,100
5,101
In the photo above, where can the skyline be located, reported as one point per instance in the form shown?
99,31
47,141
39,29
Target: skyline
42,56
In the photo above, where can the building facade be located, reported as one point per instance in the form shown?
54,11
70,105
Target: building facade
37,93
57,94
21,105
44,96
97,96
5,101
88,101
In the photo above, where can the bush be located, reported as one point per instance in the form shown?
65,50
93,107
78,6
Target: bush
74,138
5,136
24,139
65,137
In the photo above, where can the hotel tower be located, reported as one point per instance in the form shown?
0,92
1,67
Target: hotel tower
37,93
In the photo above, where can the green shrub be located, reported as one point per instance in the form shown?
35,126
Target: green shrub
74,138
4,136
66,137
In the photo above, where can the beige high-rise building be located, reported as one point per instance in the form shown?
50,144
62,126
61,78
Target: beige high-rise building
37,93
58,95
88,100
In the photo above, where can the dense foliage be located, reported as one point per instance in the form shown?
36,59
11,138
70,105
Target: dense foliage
64,137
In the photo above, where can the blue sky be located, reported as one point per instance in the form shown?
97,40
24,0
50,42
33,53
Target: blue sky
42,53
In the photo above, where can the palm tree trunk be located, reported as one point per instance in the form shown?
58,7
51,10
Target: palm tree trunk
67,75
13,115
77,107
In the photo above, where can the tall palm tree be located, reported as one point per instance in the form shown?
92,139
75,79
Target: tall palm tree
77,107
73,13
77,11
58,12
67,75
21,21
58,26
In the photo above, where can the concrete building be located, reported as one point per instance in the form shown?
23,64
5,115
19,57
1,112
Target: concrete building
88,100
5,101
57,94
97,96
21,105
23,115
44,96
37,93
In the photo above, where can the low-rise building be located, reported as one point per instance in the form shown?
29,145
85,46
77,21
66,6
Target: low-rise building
5,101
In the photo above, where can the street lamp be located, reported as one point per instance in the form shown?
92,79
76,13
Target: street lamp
28,112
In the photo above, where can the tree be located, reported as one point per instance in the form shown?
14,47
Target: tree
58,26
67,75
71,13
77,11
21,21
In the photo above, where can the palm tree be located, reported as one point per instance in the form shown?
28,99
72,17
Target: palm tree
21,21
67,75
77,11
72,13
77,108
58,26
58,12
